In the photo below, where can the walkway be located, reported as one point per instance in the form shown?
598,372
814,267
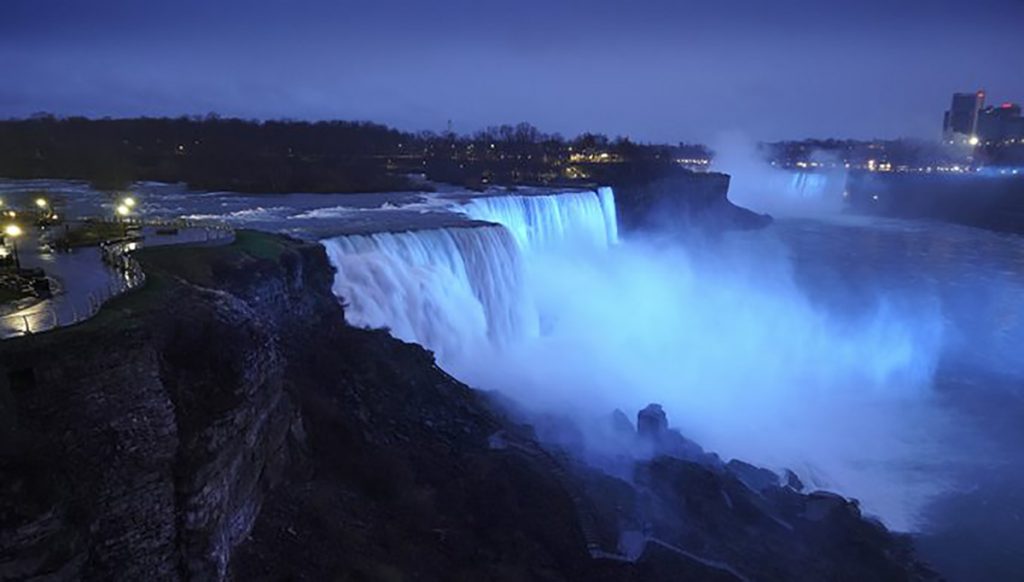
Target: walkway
82,281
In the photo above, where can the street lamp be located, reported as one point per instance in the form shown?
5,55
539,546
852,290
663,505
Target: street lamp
129,202
45,211
13,231
123,211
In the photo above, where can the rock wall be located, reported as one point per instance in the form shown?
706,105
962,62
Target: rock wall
680,200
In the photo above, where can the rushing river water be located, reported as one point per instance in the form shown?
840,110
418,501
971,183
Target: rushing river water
953,296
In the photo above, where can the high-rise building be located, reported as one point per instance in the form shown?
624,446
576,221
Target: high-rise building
1001,125
961,121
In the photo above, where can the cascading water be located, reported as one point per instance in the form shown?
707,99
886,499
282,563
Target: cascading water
531,296
581,219
456,289
445,288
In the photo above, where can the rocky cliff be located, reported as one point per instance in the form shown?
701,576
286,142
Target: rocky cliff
679,200
224,423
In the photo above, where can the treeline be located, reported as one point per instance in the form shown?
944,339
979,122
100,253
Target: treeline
290,156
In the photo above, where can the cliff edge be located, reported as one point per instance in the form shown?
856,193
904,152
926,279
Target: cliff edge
224,422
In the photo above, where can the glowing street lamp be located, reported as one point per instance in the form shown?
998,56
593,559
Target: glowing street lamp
973,140
13,231
42,203
123,211
128,201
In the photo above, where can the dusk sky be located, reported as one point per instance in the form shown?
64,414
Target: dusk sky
663,70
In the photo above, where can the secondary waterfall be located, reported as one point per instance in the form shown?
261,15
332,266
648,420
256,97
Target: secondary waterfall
454,288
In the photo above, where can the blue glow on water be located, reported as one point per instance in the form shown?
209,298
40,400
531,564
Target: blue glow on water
722,335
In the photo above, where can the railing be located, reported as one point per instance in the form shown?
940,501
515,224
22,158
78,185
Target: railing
46,317
119,256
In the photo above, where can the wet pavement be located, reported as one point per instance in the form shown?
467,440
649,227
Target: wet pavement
81,281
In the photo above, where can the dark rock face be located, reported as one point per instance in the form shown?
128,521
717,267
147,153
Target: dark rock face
681,200
248,434
652,422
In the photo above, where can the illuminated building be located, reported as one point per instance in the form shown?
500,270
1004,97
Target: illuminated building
960,124
1002,125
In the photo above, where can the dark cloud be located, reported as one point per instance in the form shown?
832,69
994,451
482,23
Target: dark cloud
659,70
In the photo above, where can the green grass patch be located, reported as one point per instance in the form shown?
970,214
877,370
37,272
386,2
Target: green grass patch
88,234
260,244
165,266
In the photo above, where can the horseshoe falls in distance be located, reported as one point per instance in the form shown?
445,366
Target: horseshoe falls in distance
458,289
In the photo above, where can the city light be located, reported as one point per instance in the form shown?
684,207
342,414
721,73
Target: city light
129,202
123,210
973,140
12,230
41,202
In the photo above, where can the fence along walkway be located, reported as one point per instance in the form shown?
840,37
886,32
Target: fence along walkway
91,276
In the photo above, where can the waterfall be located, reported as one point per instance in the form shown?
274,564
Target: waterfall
442,288
455,289
577,219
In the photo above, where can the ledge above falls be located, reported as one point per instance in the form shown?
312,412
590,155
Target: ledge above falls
670,200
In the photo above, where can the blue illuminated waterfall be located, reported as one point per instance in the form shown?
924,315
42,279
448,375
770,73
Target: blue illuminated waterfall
552,221
457,287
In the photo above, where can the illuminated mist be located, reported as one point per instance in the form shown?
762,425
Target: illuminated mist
757,185
717,332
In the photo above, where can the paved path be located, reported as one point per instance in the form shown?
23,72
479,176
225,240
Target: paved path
82,281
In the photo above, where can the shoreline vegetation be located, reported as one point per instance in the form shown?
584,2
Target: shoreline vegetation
220,154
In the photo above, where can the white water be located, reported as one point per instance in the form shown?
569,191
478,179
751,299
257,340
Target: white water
449,289
545,307
549,222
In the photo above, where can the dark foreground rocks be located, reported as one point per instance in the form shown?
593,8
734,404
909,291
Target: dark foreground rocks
224,423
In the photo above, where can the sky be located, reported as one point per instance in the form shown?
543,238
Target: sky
652,70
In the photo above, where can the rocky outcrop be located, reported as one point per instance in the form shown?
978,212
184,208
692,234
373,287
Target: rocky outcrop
224,423
680,200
